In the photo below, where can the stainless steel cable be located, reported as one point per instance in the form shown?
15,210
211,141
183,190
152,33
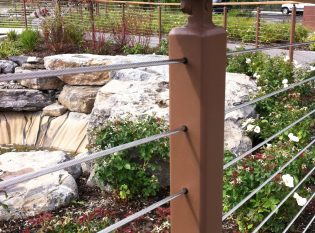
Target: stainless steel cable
227,165
283,201
83,70
230,212
269,95
309,224
299,213
269,48
143,212
57,167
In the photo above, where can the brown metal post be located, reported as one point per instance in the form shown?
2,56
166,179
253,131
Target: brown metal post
160,23
225,14
123,13
97,8
91,10
257,26
24,13
292,33
81,10
197,100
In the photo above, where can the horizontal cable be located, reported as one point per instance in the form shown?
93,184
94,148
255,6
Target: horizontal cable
83,70
309,224
229,213
269,95
143,212
299,213
283,201
57,167
227,165
269,48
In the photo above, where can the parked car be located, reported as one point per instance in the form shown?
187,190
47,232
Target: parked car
219,9
287,8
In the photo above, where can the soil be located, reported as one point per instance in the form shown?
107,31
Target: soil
92,198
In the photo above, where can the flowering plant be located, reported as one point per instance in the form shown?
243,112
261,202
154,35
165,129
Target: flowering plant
273,114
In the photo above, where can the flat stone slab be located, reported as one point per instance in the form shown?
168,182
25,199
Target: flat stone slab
54,110
23,100
41,194
63,61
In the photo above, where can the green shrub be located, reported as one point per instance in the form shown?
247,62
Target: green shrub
29,39
74,34
163,48
275,113
12,35
311,38
131,172
135,49
10,48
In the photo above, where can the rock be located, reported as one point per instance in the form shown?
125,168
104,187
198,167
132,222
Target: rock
130,98
45,193
34,60
234,138
239,88
20,60
78,98
43,83
87,166
67,132
33,66
79,60
23,100
7,67
54,110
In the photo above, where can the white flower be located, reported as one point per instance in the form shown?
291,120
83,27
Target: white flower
288,180
256,75
301,201
250,127
248,60
285,85
312,68
257,129
293,138
248,121
285,81
269,145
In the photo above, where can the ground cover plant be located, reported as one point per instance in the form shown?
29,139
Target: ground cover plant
273,115
15,44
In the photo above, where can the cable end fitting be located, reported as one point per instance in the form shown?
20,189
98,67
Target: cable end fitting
184,128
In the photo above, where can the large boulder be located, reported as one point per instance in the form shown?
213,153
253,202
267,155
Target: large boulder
63,61
7,67
78,98
41,194
234,138
24,100
239,89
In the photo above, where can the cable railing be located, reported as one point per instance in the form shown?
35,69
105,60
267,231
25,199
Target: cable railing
299,213
283,201
4,184
83,70
183,190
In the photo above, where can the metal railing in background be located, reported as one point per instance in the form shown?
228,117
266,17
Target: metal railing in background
243,21
196,88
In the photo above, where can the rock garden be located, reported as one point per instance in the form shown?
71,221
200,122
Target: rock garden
48,121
